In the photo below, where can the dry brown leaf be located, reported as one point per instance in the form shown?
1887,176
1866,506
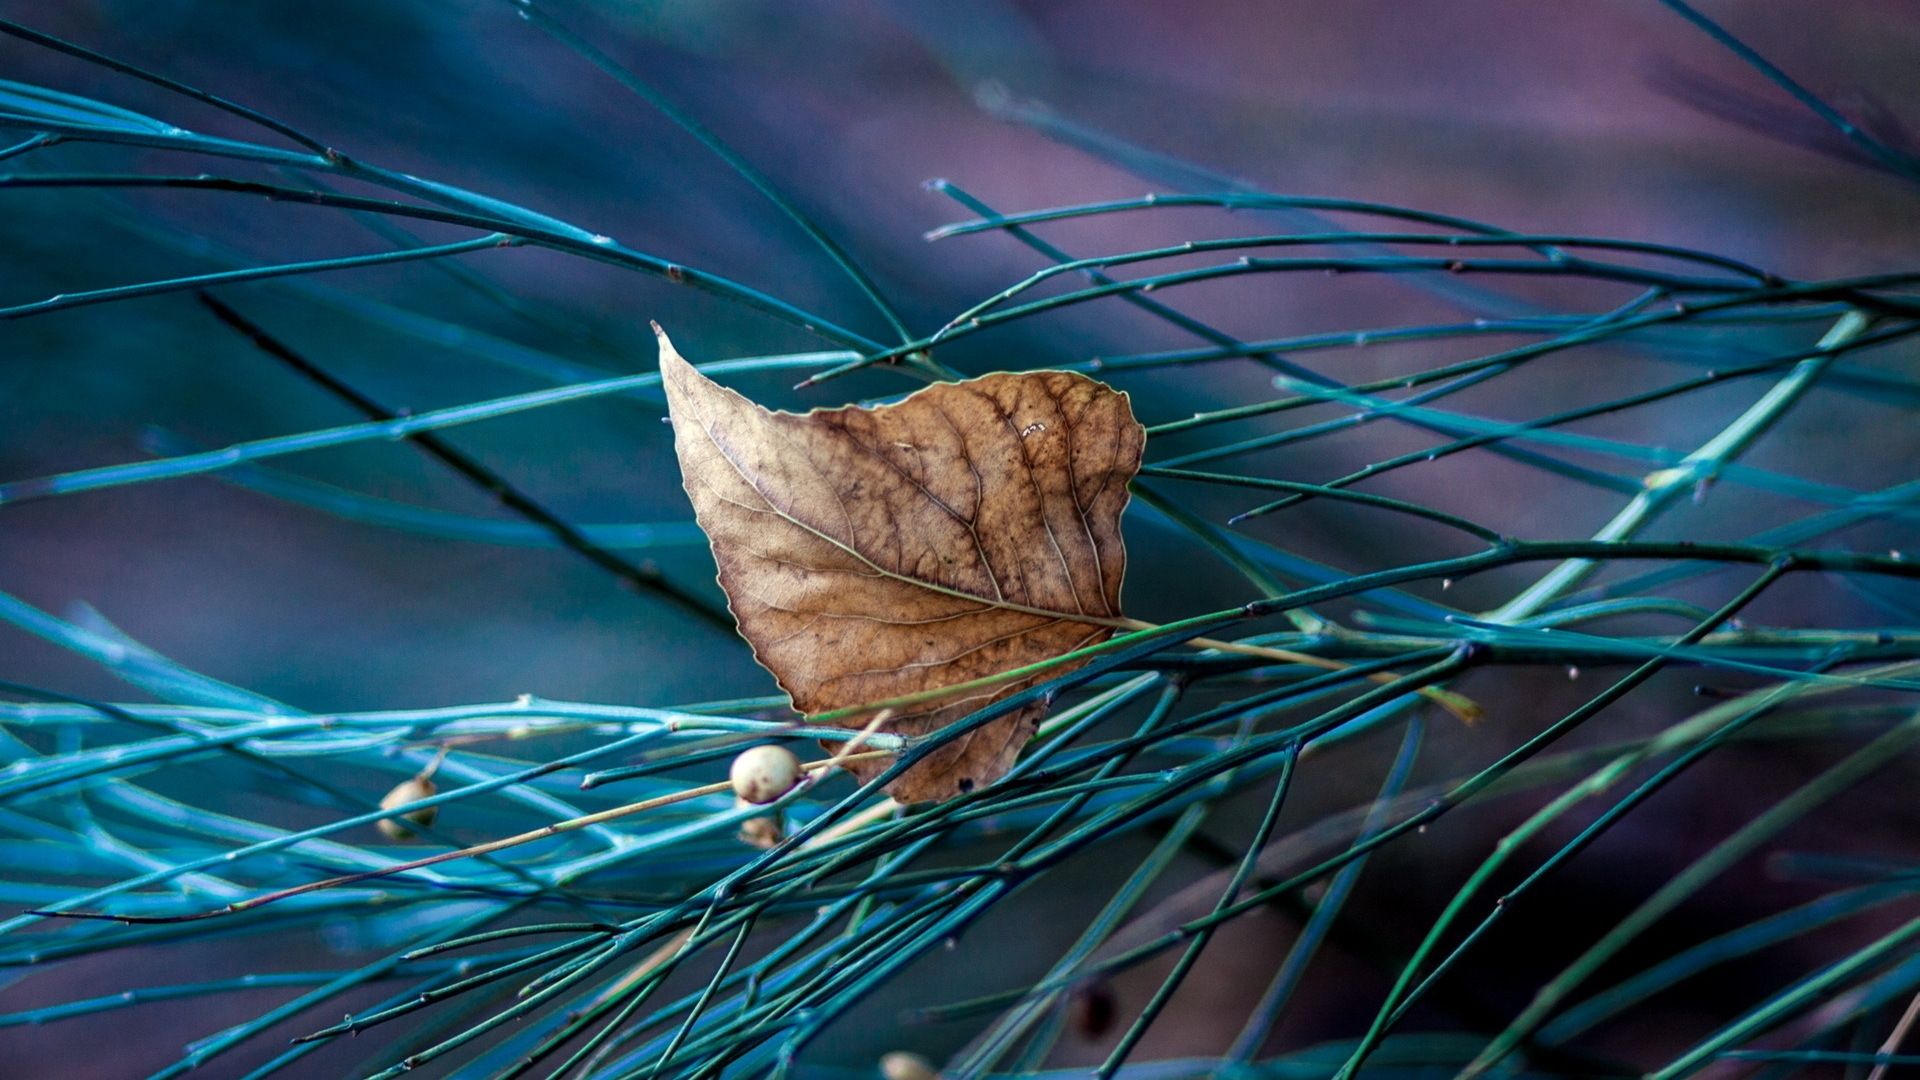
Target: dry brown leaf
870,554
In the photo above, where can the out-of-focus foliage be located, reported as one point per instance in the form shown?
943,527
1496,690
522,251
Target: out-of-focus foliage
1564,436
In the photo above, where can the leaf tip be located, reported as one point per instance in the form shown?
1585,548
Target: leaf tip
668,354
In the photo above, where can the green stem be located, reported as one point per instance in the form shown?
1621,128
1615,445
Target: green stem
1666,485
1836,780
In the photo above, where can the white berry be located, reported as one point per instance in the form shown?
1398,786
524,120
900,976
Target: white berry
762,774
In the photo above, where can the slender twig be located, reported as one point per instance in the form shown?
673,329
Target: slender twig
637,577
1895,1037
1699,467
487,848
1897,162
538,16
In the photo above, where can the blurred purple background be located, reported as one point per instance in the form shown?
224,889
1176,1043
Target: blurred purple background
1560,118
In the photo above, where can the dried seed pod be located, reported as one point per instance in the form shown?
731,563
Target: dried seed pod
410,790
762,832
762,774
901,1065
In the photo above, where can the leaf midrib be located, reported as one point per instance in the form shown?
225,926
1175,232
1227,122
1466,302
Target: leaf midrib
906,579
